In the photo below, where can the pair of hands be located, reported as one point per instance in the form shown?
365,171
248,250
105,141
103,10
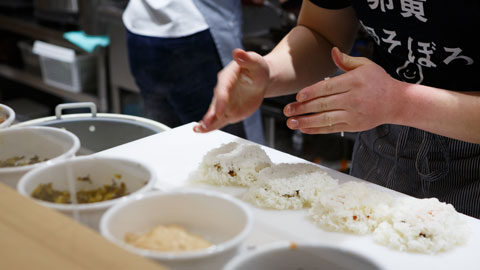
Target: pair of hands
360,99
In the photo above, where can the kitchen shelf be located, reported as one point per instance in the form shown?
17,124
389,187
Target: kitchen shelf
30,28
36,82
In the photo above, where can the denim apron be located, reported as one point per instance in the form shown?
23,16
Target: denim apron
224,18
420,164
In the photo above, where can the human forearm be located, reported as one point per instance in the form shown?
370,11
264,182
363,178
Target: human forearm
447,113
300,59
303,56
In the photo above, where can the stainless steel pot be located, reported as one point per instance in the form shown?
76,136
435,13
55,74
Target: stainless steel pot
99,131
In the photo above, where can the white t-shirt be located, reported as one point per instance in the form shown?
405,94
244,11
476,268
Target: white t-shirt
163,18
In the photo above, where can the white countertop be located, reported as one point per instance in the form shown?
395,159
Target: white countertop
174,154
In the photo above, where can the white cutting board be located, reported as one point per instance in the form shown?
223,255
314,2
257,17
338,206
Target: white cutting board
174,154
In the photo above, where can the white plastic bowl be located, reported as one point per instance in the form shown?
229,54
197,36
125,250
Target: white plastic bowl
219,218
137,177
45,142
7,114
305,256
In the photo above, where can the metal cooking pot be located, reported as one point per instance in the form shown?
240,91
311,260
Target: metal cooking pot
99,131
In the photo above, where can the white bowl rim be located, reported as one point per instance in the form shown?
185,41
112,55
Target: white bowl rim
88,116
88,206
180,256
11,116
285,245
69,153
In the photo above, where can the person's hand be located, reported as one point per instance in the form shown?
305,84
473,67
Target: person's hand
239,91
360,99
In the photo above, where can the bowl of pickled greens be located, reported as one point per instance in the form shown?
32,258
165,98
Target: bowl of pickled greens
85,187
25,148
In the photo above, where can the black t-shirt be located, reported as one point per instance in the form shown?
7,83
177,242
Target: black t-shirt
430,42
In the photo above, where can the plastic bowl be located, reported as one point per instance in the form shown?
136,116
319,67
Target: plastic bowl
44,142
305,256
218,218
102,171
7,116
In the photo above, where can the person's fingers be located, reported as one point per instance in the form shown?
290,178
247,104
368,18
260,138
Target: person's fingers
225,83
315,105
215,124
220,101
246,60
250,63
210,122
336,85
346,62
340,127
324,119
207,120
212,119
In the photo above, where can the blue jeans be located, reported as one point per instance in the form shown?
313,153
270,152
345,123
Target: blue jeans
176,77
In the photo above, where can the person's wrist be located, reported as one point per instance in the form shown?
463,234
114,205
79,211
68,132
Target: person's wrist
270,76
403,97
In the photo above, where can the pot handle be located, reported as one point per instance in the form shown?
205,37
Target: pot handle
76,105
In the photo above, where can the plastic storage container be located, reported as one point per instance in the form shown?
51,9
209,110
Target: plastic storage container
62,68
31,61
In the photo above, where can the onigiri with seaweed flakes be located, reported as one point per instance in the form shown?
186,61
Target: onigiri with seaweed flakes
422,225
232,164
289,186
352,207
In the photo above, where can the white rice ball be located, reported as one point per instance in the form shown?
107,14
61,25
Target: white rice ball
352,207
236,164
422,225
289,186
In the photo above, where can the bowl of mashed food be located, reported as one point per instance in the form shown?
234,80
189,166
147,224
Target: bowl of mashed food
182,229
7,116
301,255
97,183
25,148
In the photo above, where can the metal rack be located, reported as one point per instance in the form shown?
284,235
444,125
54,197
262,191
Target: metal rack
33,30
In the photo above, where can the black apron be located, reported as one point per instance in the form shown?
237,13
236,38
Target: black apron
430,42
420,164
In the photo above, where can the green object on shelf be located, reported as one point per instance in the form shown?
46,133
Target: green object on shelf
86,42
